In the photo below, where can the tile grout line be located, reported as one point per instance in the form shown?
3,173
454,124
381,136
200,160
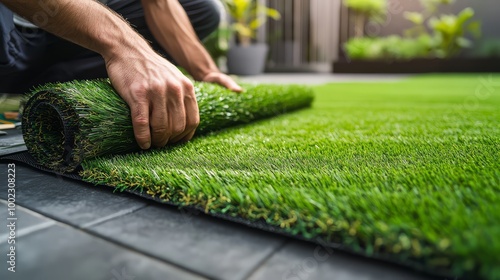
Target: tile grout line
86,228
112,216
140,252
53,222
29,230
266,259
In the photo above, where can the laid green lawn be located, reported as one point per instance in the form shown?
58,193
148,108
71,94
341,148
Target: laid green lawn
407,170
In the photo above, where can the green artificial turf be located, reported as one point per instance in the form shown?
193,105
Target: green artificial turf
408,171
65,123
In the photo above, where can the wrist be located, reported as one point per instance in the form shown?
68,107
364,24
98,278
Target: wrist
126,46
120,39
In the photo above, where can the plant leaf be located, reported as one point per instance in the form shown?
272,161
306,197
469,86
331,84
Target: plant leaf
414,17
256,23
243,29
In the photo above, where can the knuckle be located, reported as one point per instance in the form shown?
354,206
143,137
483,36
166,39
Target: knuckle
139,114
178,128
157,87
139,89
175,89
192,124
188,85
160,130
191,97
140,121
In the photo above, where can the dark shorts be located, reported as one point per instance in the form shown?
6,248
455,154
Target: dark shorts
32,56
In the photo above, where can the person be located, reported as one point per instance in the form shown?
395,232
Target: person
87,39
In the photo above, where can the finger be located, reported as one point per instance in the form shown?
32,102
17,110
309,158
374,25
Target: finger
140,122
223,80
159,118
192,118
228,83
232,85
177,112
188,137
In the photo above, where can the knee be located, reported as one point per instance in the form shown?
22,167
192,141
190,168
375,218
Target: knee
205,15
214,10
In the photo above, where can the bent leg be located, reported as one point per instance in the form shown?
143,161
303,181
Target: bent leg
204,15
7,46
21,53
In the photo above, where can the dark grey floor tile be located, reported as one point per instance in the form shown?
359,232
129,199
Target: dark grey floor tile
301,260
67,200
21,222
208,246
12,142
62,252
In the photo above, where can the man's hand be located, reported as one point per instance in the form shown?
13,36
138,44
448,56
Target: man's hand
161,99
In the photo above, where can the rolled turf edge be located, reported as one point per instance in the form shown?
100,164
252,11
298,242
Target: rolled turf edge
66,123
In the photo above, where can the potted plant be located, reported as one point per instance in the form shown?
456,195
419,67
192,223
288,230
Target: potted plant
245,57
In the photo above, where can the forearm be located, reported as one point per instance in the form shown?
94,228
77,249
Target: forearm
170,25
161,99
85,22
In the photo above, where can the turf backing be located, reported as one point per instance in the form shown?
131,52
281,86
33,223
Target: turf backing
409,171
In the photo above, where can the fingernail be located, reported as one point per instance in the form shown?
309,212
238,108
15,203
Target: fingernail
146,146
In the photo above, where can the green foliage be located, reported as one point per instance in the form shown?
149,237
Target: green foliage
407,171
248,16
431,6
66,123
447,38
450,32
389,48
418,20
373,9
366,10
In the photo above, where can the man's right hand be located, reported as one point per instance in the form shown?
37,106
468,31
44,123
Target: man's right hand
161,99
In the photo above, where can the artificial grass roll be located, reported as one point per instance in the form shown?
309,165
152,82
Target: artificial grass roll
66,123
